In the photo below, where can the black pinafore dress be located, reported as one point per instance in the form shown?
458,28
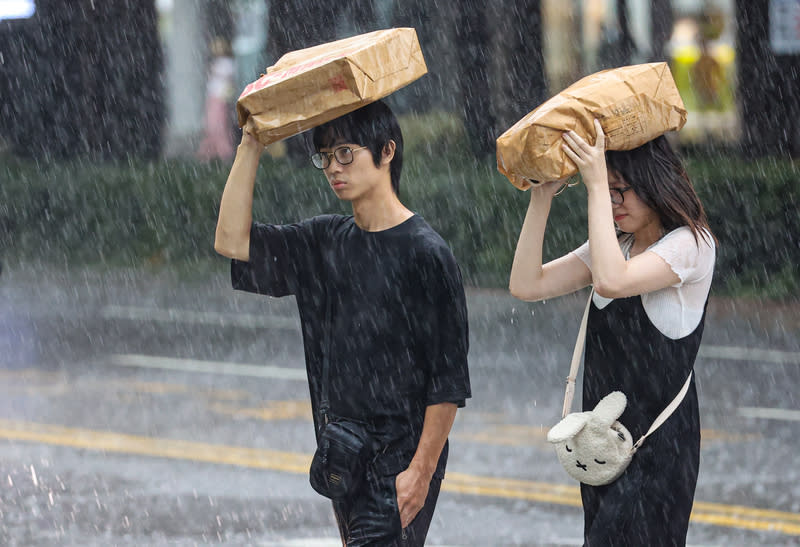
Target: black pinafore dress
650,503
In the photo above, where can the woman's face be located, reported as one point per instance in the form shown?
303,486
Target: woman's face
632,215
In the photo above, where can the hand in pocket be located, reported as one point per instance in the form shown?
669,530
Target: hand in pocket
412,489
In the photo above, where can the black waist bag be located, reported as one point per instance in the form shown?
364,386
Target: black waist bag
340,462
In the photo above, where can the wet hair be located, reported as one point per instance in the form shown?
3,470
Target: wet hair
373,126
657,175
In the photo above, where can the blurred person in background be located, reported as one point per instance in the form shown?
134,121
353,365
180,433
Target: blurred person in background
217,140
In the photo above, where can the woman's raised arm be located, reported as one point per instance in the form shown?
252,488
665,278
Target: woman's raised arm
531,280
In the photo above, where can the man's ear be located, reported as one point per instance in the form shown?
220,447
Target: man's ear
387,154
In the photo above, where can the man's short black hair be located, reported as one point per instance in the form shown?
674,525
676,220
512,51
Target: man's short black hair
372,126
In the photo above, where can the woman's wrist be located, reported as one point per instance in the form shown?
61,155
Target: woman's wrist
541,203
596,187
538,196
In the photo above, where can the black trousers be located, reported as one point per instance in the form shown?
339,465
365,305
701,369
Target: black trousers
372,517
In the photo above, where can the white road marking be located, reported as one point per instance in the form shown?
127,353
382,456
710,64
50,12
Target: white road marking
287,373
210,367
175,315
244,320
750,354
770,413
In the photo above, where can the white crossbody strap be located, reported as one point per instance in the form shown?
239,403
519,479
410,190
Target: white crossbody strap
573,374
576,360
666,413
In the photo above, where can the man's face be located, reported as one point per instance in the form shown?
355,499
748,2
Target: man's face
357,179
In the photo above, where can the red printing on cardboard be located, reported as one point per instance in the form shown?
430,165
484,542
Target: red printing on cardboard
338,84
280,75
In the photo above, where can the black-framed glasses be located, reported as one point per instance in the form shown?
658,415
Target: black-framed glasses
617,194
343,154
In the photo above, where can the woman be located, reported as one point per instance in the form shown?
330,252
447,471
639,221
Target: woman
218,136
651,277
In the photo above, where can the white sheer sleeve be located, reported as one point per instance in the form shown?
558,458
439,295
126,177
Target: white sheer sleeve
676,311
692,261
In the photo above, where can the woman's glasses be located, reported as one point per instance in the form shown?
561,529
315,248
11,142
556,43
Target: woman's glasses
343,154
617,194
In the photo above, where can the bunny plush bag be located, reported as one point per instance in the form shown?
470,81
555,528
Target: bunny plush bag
593,447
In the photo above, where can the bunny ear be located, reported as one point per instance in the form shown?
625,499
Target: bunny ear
568,427
610,408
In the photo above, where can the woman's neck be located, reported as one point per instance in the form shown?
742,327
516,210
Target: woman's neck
646,236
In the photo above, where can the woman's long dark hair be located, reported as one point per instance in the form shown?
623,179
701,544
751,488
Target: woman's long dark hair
659,179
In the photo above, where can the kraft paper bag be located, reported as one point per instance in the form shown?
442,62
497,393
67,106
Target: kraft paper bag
635,104
309,87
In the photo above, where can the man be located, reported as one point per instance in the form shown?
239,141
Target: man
380,294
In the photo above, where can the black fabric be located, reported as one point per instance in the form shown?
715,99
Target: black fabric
650,503
373,518
399,337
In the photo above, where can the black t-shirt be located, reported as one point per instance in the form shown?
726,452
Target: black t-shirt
398,336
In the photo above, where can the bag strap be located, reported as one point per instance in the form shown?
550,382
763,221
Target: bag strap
666,413
576,360
573,373
324,403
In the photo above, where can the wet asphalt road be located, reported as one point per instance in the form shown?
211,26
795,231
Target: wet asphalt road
154,407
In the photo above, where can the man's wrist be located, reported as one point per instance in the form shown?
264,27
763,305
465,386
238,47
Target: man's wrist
424,468
250,148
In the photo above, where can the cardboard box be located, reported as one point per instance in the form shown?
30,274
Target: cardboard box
634,104
309,87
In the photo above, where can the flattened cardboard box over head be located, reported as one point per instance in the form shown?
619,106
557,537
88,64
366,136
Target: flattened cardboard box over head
309,87
635,104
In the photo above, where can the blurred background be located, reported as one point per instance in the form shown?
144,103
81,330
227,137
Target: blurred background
117,120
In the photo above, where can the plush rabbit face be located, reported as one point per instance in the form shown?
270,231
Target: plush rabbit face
593,446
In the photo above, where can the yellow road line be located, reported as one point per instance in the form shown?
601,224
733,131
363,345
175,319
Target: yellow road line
292,462
54,383
748,511
272,410
730,516
733,521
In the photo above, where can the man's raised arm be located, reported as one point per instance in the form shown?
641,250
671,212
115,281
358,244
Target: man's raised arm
236,207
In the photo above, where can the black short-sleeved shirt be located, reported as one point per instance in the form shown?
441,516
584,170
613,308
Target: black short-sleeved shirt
398,334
